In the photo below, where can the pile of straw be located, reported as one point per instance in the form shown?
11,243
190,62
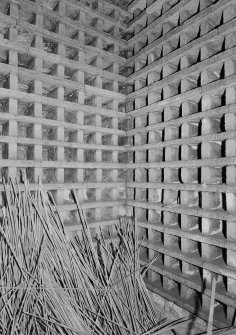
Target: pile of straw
35,268
52,285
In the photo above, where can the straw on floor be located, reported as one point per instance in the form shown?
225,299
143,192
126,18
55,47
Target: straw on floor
52,285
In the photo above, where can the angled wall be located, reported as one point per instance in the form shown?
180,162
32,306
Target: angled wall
60,97
182,186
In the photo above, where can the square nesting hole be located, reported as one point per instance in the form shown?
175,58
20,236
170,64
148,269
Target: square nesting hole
71,74
107,213
25,152
107,85
90,175
140,139
108,67
130,193
70,117
49,133
90,100
25,130
25,37
50,24
72,13
49,4
108,29
108,47
71,95
108,11
141,175
121,194
125,88
4,31
3,151
106,122
72,53
90,194
67,196
89,156
4,81
30,174
106,156
89,79
107,104
125,125
90,214
70,154
27,16
107,176
49,112
142,215
92,4
49,175
4,105
90,40
107,194
126,107
5,8
49,153
25,108
141,194
49,68
70,175
91,21
91,59
22,173
122,175
4,56
51,91
4,173
124,35
125,141
107,140
125,157
4,128
90,120
25,85
50,46
71,136
72,33
90,138
126,53
70,219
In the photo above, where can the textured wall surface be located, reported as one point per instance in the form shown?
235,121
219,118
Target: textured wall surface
136,110
59,101
181,103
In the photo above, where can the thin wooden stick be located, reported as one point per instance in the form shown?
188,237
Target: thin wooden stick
212,307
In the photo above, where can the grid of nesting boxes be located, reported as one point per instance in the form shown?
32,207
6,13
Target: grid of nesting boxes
61,101
181,103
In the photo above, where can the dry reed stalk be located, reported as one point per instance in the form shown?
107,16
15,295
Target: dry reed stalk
212,307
